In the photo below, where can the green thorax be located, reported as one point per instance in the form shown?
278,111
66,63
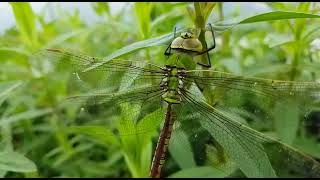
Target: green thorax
173,84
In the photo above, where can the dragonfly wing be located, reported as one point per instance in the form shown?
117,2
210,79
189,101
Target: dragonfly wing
117,93
139,94
92,73
241,143
260,86
272,103
126,110
248,148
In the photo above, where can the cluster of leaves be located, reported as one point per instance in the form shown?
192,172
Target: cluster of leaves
37,141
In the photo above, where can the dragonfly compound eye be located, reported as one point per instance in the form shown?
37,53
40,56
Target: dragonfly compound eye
188,45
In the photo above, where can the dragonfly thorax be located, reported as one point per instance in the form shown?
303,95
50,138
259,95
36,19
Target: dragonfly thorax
172,84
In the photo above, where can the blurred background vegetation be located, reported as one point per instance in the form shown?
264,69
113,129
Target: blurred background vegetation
36,142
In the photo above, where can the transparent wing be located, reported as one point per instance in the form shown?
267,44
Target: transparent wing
94,73
257,98
139,94
241,143
244,145
267,87
117,93
126,110
81,62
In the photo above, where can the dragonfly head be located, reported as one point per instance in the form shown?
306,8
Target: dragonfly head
187,42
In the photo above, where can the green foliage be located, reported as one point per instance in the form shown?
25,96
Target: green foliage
181,150
162,40
277,15
102,8
41,139
199,172
12,161
7,88
26,22
289,118
238,150
143,11
138,148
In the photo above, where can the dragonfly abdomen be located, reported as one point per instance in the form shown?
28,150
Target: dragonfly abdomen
163,143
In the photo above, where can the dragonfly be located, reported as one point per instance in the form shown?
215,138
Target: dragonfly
121,85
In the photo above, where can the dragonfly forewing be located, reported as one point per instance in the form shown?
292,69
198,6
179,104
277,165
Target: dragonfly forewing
265,87
258,96
96,86
94,73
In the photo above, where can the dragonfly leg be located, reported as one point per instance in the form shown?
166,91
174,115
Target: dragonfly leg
214,42
208,49
168,50
209,60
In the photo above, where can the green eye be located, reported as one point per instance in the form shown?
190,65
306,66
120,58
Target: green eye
186,45
189,43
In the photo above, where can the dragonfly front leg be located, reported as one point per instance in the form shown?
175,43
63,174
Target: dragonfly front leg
167,52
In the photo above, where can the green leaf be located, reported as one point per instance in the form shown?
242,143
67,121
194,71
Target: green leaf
2,173
270,16
15,50
162,40
25,115
136,142
191,13
294,161
181,150
311,34
145,159
99,133
278,39
101,7
13,161
199,172
143,11
277,15
63,37
26,22
248,154
7,88
287,115
207,9
165,17
308,145
31,175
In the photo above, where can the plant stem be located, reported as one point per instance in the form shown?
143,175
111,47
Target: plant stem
200,24
207,91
